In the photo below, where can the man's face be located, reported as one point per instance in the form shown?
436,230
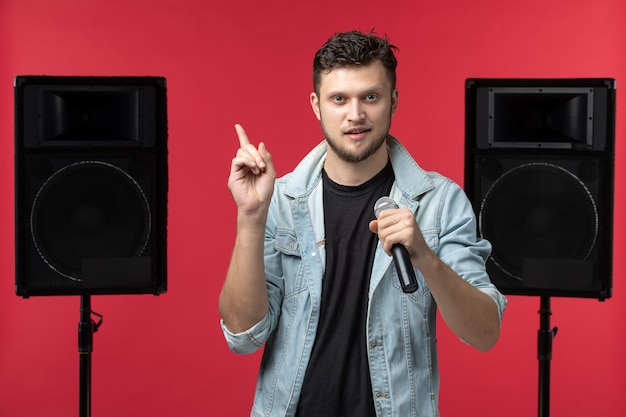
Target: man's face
354,106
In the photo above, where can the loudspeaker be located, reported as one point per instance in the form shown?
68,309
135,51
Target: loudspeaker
91,180
539,170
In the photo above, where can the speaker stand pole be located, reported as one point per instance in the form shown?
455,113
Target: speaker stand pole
86,328
544,348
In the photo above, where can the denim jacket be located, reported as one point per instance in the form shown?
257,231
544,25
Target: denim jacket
401,338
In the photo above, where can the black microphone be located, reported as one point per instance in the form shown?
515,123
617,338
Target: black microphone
401,258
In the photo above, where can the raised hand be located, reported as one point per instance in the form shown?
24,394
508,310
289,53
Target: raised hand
252,175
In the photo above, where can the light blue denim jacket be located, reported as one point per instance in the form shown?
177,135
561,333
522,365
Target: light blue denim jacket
401,338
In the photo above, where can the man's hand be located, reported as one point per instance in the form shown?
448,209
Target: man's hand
398,227
252,175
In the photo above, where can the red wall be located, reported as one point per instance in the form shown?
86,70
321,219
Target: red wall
249,62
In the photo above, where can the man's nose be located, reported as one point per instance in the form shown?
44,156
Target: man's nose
356,111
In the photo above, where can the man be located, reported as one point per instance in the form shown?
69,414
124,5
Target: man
311,274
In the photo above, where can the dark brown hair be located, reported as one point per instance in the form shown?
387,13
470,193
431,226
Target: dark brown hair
354,48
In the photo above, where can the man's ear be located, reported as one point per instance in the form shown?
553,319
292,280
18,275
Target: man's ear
394,100
315,105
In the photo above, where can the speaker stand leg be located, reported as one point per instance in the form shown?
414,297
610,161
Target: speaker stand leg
544,348
86,328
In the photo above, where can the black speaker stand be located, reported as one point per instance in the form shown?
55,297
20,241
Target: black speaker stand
86,328
544,347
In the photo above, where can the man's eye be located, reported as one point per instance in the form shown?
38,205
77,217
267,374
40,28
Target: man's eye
337,99
371,97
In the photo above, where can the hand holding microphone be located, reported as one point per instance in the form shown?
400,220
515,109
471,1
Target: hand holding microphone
401,258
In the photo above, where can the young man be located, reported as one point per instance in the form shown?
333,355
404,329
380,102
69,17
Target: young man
311,274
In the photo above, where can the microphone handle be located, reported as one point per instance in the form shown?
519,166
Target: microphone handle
404,268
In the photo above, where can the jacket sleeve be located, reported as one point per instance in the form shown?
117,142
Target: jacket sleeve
462,249
247,341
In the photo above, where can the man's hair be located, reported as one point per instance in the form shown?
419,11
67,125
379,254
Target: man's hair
354,48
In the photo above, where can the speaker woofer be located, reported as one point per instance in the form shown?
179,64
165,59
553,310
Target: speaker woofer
538,210
89,210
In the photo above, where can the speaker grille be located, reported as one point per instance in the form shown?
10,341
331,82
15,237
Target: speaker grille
538,210
89,210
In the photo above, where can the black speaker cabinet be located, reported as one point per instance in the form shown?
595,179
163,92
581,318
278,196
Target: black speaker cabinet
90,185
539,169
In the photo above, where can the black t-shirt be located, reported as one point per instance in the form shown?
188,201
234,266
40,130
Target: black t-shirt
337,381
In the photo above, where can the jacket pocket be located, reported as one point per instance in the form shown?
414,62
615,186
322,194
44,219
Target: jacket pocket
287,244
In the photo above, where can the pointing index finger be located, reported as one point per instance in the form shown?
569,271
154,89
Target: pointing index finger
241,134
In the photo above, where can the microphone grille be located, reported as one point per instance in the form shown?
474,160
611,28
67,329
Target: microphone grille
384,203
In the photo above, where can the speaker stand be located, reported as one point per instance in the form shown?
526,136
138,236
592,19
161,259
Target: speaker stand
86,328
544,348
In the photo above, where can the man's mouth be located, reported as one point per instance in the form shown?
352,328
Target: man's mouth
356,131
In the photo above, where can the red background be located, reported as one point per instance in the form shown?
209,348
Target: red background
250,62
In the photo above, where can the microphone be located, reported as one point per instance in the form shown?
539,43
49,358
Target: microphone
401,259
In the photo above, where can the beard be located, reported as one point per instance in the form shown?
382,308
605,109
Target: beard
358,155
